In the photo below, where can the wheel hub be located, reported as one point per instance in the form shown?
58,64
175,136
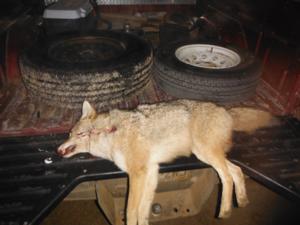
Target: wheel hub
86,49
207,56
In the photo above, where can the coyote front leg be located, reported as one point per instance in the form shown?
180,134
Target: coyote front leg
142,185
148,194
137,181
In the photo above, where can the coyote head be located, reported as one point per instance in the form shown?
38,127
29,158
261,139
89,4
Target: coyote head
88,135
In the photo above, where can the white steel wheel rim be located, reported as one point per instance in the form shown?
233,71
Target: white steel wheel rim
207,56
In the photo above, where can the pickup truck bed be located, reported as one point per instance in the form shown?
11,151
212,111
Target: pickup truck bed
34,179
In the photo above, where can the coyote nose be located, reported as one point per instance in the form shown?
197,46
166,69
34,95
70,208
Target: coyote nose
62,150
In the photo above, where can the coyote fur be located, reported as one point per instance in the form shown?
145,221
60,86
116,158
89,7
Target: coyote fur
138,141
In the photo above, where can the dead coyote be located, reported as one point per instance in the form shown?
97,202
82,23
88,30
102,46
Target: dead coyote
139,140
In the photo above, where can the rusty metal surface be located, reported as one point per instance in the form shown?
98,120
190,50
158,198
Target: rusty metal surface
22,115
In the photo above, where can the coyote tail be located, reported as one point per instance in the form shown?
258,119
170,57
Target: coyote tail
248,120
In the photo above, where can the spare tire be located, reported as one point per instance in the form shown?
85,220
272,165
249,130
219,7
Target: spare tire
206,72
105,68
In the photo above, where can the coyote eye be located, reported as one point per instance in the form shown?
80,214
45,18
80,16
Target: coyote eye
82,134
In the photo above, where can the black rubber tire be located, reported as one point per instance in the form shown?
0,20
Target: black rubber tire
117,68
228,85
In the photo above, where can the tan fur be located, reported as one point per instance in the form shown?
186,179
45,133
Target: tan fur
248,120
138,141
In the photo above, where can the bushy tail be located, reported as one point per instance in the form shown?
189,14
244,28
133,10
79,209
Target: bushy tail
248,120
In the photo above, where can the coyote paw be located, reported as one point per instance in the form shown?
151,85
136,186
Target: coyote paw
243,202
224,214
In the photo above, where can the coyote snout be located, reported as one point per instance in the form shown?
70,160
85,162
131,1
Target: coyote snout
66,149
77,143
138,141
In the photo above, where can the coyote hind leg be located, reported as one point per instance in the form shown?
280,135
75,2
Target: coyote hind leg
239,183
216,158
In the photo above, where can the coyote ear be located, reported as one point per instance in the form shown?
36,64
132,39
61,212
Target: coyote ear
88,111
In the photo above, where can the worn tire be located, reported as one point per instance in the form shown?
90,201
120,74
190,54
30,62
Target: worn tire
105,68
182,80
